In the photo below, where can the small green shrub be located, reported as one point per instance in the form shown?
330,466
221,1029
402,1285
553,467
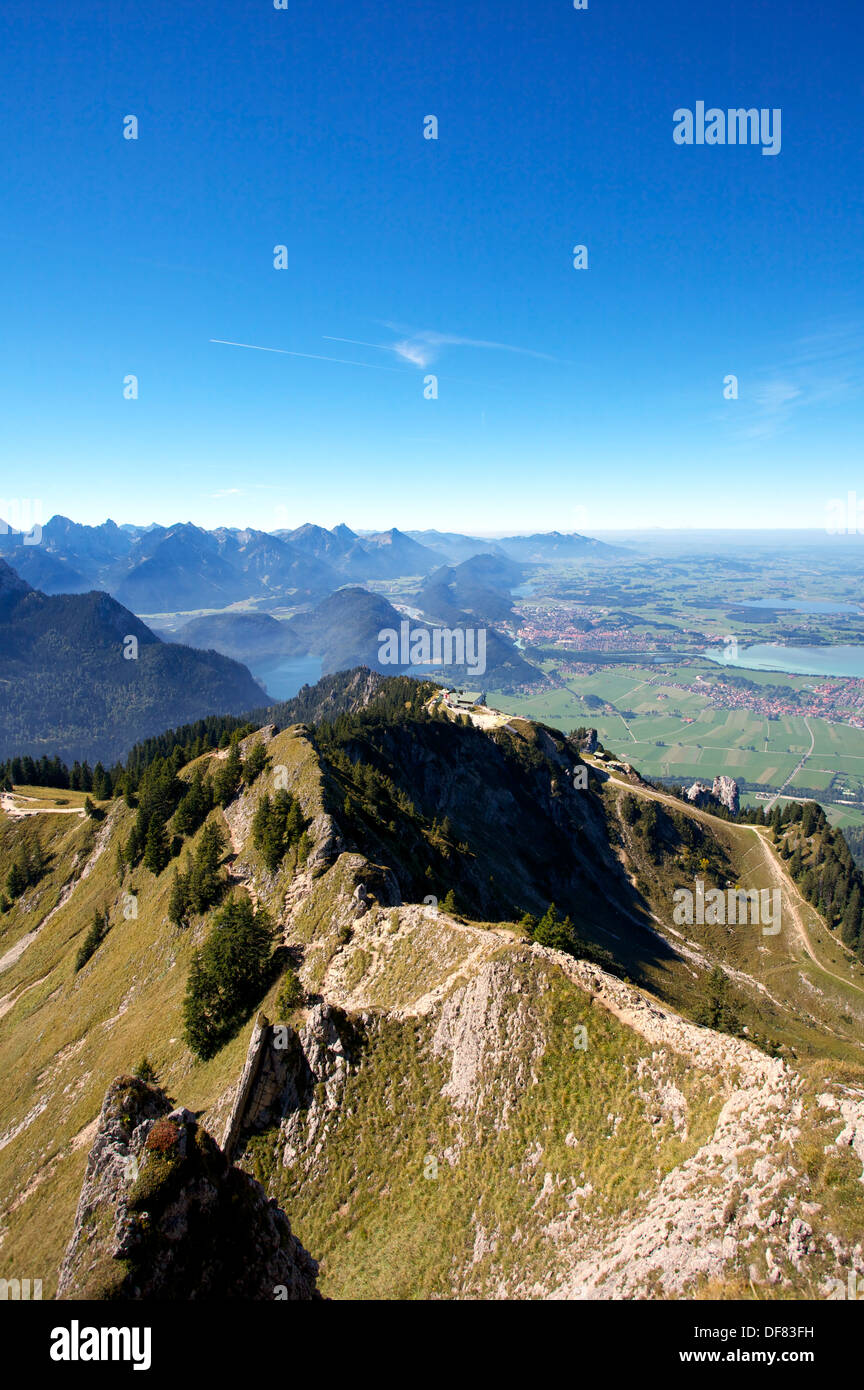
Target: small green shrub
290,994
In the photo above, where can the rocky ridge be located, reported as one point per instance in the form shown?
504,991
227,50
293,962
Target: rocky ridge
163,1214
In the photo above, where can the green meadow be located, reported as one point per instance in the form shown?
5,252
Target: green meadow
667,732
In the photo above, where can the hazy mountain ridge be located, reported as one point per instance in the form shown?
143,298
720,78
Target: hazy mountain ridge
343,629
240,636
554,546
479,588
543,548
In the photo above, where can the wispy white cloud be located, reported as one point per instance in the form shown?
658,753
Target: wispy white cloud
834,342
422,354
823,368
424,347
776,394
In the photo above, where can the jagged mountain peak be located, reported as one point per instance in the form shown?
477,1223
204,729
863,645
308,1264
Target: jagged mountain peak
173,1215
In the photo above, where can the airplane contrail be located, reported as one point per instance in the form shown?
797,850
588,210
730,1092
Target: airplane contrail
359,342
314,356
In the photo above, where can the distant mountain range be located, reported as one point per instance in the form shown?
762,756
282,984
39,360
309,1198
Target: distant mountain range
68,688
167,569
343,631
181,568
383,555
553,547
546,548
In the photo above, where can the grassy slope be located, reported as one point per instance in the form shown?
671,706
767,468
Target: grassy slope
390,1216
801,1002
67,1036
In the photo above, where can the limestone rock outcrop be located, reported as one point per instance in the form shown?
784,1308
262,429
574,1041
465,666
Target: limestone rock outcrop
723,792
588,744
164,1215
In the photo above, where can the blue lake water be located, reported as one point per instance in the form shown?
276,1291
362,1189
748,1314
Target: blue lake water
802,605
283,680
799,661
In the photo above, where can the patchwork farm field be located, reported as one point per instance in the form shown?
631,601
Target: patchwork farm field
642,715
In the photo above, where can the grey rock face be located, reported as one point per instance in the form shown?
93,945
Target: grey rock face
321,1062
725,790
164,1215
699,794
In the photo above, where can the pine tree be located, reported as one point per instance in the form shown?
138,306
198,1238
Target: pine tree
227,977
808,819
101,783
850,926
156,848
194,806
178,903
276,826
717,1009
261,820
226,780
16,879
255,763
201,1010
551,931
206,883
93,940
290,993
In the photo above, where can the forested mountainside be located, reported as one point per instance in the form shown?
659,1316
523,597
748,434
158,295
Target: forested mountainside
82,677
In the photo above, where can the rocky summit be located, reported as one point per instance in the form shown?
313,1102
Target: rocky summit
163,1214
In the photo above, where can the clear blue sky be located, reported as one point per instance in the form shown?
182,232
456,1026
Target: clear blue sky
304,127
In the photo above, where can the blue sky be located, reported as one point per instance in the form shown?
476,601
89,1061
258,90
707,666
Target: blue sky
567,399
